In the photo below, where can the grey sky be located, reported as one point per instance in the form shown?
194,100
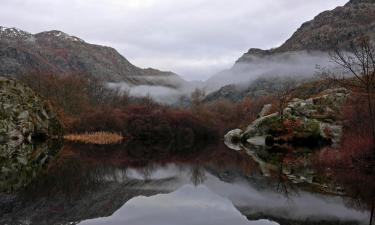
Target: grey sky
194,38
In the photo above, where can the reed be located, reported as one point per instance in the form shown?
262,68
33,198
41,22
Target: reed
101,138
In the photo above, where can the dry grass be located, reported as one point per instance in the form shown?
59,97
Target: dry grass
101,138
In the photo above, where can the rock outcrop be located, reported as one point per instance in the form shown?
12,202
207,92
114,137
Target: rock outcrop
312,122
24,115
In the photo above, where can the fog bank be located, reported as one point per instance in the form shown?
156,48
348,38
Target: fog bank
291,64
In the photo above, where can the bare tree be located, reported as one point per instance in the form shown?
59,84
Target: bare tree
357,72
283,91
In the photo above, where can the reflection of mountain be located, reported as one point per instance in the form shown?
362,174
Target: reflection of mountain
82,185
190,206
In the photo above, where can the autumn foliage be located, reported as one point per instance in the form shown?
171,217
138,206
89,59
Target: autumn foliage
352,165
86,105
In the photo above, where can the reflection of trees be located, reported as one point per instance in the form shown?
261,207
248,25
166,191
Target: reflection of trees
147,171
198,175
284,186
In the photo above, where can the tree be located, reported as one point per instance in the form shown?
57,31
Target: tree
356,72
283,91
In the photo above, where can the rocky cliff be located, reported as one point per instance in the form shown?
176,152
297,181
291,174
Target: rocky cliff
59,53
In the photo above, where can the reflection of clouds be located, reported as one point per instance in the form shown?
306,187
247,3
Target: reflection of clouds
187,206
254,200
204,203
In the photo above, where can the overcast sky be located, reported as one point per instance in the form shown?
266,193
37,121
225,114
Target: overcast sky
194,38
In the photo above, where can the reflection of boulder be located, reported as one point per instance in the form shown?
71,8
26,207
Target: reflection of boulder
19,165
232,139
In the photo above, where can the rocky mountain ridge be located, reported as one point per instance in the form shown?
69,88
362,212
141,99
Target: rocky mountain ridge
59,53
329,29
301,53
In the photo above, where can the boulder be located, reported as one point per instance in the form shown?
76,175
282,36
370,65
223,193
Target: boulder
233,138
265,110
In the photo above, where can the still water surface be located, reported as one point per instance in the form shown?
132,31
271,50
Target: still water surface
141,185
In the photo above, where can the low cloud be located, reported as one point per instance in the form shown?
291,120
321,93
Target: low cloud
291,64
160,94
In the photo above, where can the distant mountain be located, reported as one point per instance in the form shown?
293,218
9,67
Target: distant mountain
59,53
299,55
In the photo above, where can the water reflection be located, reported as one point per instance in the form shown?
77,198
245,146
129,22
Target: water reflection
137,184
188,205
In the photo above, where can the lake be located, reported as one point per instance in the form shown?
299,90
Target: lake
142,184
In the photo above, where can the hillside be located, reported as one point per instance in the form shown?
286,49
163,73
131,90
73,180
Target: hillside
306,48
330,28
59,53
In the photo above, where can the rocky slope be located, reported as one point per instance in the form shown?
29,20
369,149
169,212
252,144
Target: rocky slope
24,115
59,53
308,47
330,28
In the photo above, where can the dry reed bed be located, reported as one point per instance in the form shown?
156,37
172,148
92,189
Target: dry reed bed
100,138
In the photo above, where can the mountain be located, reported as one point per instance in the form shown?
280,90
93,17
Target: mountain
59,53
330,28
299,55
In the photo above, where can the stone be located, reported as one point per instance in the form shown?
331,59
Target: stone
265,110
257,141
233,138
